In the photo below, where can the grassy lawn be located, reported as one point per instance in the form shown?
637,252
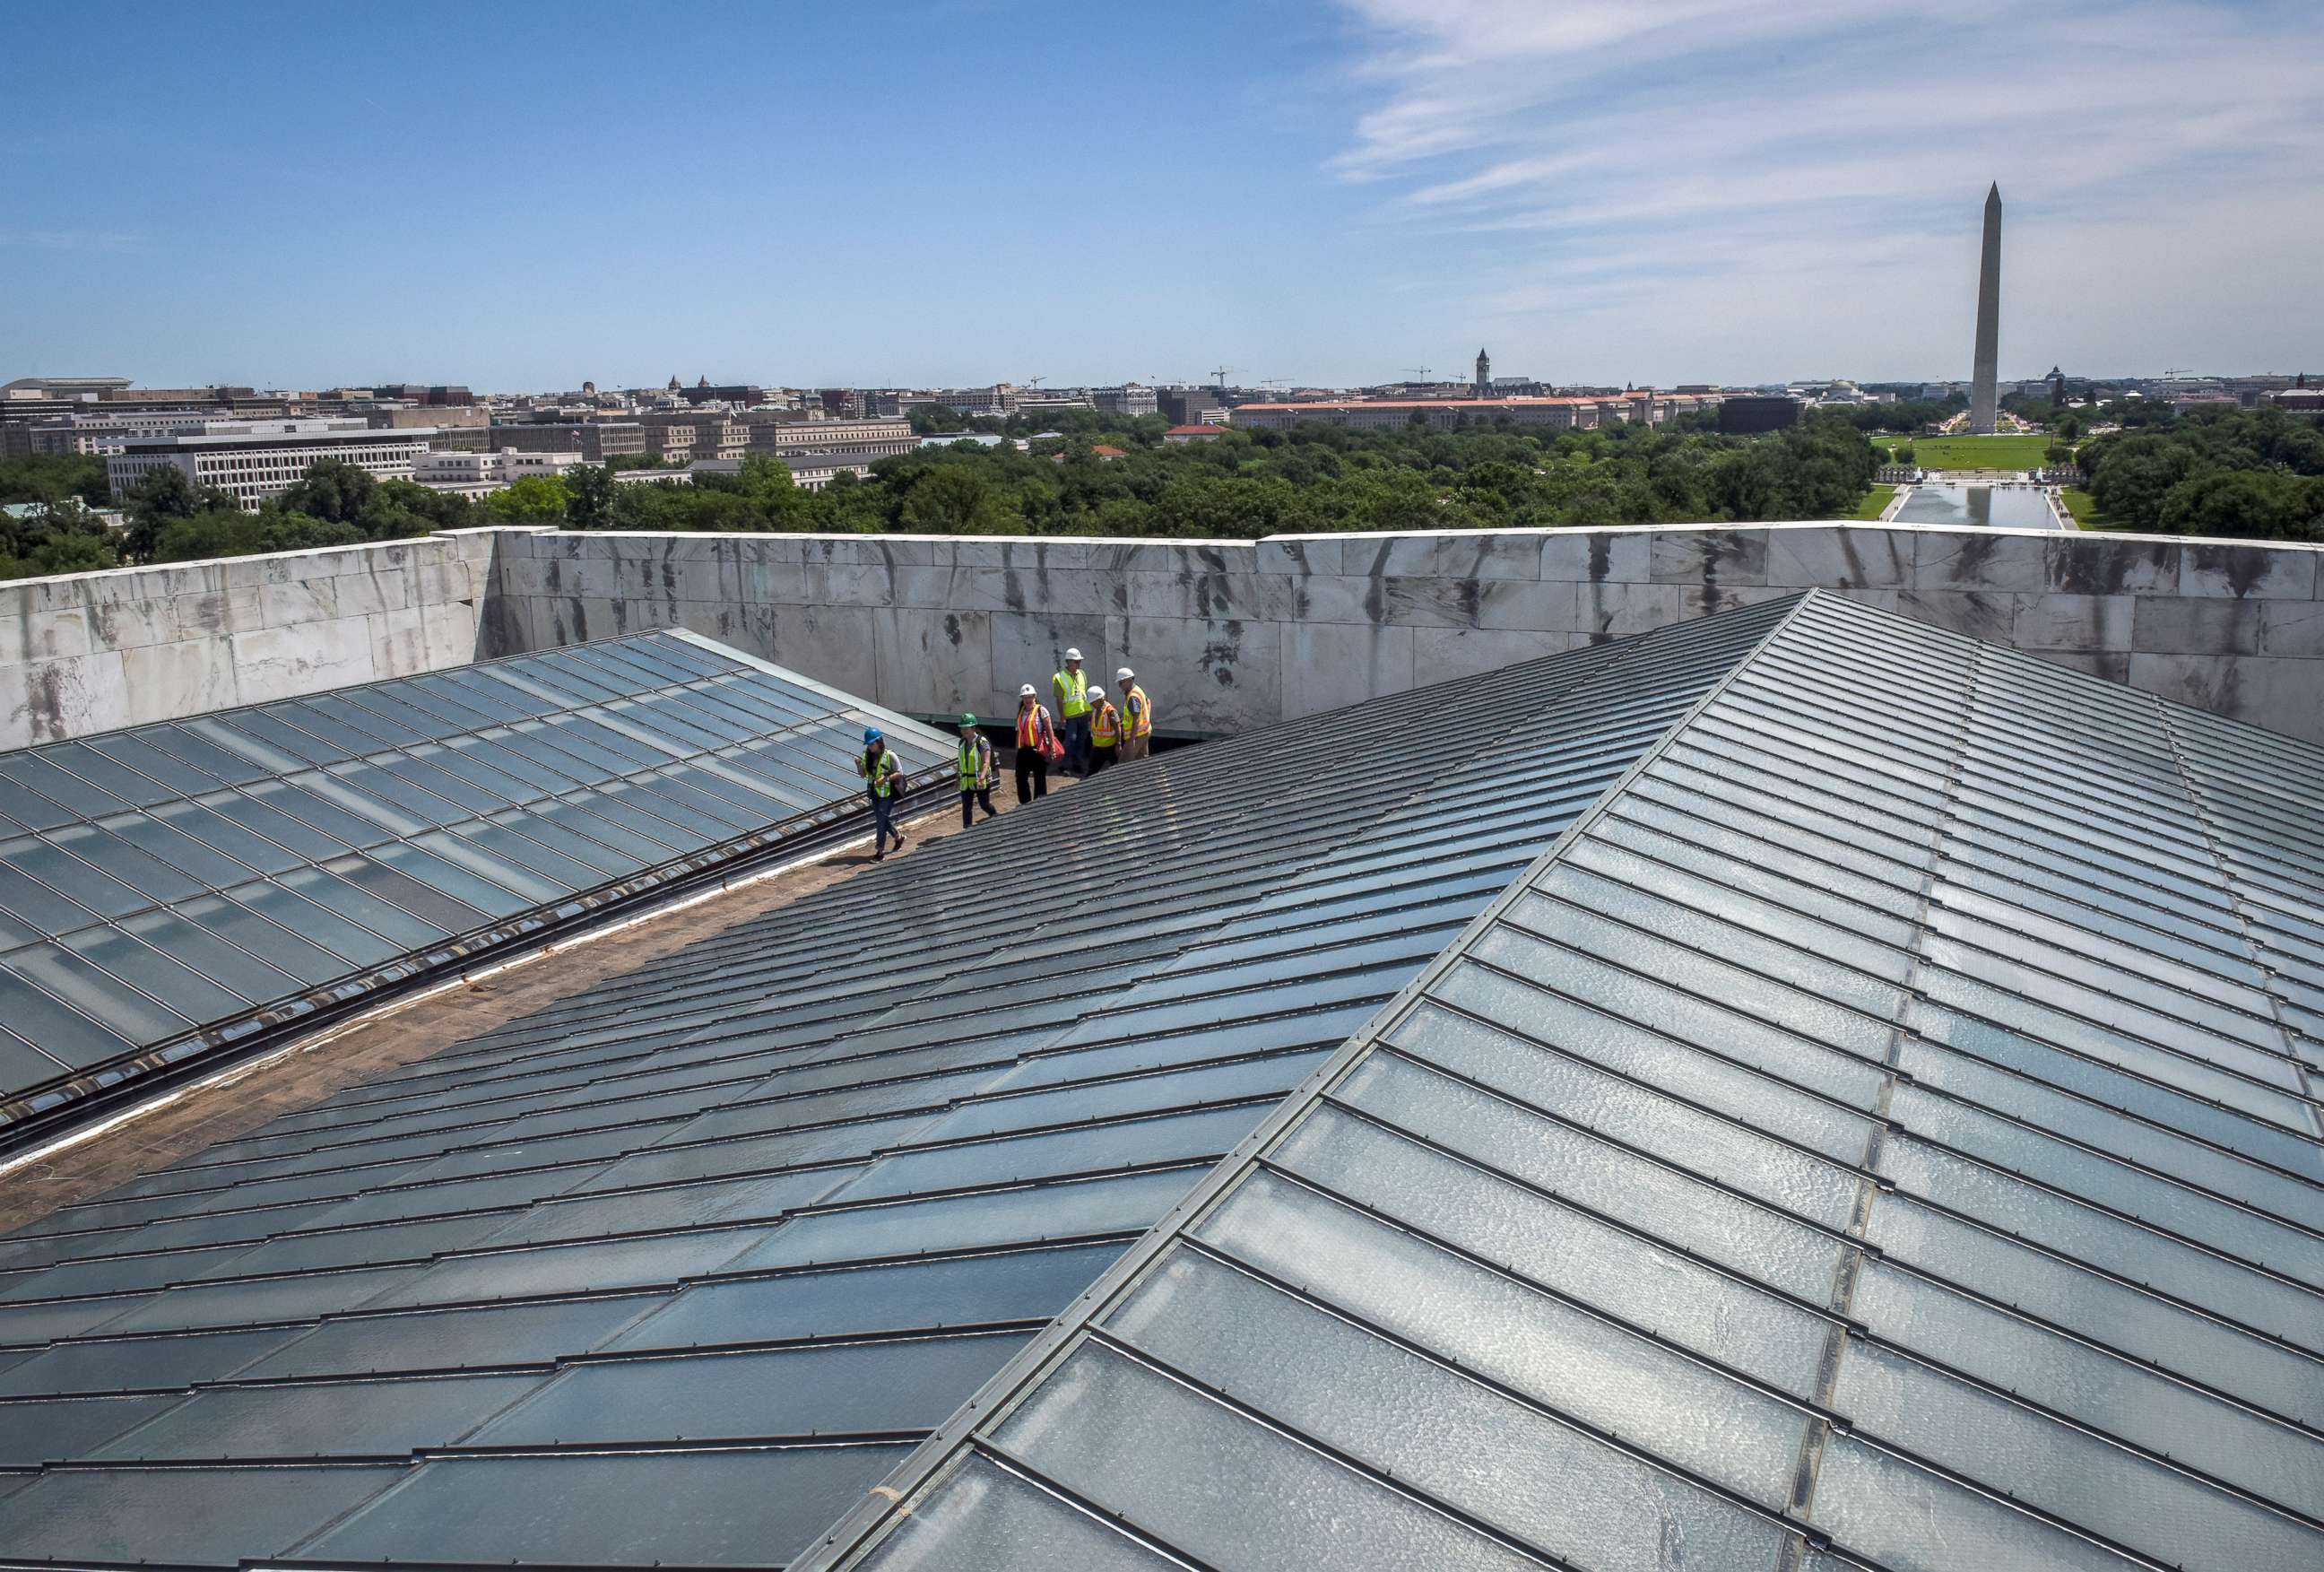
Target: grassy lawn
1875,502
1972,452
2083,507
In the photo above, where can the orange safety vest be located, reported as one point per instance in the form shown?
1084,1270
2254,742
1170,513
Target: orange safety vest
1033,728
1105,730
1140,712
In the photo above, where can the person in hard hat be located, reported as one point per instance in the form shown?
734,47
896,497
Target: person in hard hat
1137,714
1071,686
1037,744
974,767
884,782
1105,730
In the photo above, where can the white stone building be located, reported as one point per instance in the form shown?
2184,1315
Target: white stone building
256,459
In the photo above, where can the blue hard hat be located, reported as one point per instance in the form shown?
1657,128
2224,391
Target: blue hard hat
873,735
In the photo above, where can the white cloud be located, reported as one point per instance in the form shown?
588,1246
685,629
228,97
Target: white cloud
1636,189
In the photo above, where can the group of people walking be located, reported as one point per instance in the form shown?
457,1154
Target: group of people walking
1095,733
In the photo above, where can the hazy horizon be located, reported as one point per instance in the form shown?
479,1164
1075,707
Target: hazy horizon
1336,194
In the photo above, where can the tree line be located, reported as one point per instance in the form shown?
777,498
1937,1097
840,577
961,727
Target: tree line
2252,475
2233,473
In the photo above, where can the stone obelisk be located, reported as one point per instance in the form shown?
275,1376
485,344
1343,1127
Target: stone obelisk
1981,394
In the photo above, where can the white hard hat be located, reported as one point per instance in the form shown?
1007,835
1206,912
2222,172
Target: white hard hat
1124,675
1095,692
1073,654
1026,691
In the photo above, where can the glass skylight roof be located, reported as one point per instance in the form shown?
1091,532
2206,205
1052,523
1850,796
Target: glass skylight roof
168,887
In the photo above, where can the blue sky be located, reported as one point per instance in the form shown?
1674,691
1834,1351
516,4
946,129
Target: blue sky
522,196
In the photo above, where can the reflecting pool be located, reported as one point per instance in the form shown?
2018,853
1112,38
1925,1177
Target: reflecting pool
2000,507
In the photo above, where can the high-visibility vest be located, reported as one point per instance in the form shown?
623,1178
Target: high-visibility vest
1105,728
974,765
881,774
1138,712
1073,693
1033,727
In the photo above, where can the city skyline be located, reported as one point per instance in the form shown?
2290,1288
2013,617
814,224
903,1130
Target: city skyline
1320,194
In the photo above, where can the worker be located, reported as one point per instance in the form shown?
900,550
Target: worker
883,779
1071,686
1137,715
1105,730
1037,744
975,766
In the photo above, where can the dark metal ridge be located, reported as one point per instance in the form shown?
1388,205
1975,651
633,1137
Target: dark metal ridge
519,938
858,1528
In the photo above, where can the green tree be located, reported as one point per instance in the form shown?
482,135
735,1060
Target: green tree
534,499
332,490
591,503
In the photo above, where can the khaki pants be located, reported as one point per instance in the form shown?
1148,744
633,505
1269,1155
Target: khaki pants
1134,748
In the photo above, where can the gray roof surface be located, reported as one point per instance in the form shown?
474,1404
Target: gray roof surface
1880,1133
1797,1089
172,887
678,1270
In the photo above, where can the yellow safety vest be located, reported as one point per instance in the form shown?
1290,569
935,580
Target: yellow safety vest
1139,712
1105,730
881,775
1073,693
974,766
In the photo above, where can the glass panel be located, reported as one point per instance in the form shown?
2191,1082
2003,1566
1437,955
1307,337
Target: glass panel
451,864
194,998
858,1387
359,945
99,771
35,774
36,859
1022,1216
1025,1285
2062,1470
1488,1322
174,935
389,815
1227,1490
156,881
60,1033
350,830
1878,1506
980,1514
207,867
379,1418
28,808
744,1508
1544,1481
37,906
257,819
243,928
344,895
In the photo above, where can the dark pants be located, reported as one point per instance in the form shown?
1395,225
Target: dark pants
973,798
1077,743
1032,775
883,822
1100,758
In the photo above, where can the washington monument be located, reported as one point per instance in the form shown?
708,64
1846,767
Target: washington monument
1988,319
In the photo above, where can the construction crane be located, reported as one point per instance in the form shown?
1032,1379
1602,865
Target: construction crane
1418,372
1218,374
1035,382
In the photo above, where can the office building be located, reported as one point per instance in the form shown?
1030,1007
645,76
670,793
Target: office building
1443,414
1743,414
1131,399
814,450
254,460
483,473
98,432
1188,406
594,440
